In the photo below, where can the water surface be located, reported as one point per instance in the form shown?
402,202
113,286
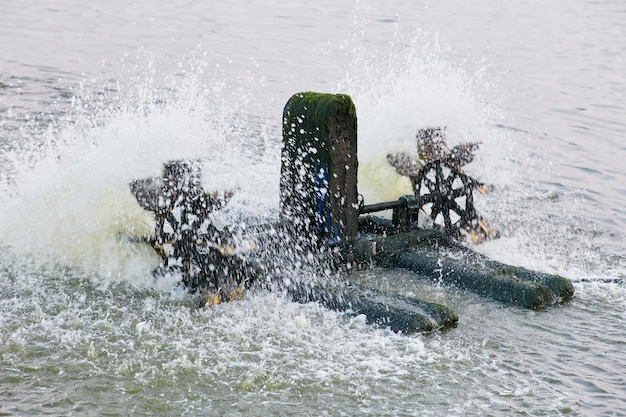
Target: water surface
94,95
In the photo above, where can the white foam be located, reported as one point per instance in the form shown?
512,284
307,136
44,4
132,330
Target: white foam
69,205
414,88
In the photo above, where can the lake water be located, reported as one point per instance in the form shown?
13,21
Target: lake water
95,94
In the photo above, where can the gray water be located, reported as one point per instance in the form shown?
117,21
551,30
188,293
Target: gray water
95,94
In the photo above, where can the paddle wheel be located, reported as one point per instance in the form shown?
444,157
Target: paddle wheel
441,189
185,237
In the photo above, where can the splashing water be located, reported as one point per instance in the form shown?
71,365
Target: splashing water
80,172
69,205
80,167
415,88
542,223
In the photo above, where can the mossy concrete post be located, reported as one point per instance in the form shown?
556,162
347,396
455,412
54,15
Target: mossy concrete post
318,187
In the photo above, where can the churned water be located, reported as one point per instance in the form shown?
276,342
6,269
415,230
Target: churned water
94,95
